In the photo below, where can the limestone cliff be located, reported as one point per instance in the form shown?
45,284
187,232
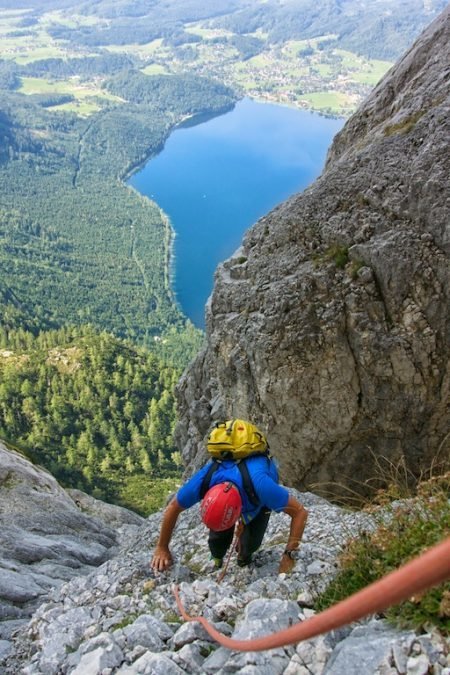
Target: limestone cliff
329,326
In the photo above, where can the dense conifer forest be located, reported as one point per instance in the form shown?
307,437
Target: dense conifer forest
96,411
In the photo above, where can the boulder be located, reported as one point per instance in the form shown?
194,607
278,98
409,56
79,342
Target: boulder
45,538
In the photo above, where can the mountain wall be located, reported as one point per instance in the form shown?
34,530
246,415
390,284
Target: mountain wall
329,327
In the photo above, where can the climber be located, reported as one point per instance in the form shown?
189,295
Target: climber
227,501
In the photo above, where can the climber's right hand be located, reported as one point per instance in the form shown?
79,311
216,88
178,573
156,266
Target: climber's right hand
162,559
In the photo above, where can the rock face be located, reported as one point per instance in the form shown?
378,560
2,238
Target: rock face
45,539
329,327
122,620
110,514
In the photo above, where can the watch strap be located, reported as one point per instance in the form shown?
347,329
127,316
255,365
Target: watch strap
290,552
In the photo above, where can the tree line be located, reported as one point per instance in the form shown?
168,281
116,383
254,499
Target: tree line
85,67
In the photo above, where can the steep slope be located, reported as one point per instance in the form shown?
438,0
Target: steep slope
46,537
121,619
329,326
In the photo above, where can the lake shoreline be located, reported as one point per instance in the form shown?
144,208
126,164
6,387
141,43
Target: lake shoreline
170,232
263,154
182,124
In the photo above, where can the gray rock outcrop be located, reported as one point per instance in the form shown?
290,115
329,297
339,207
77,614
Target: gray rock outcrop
329,327
121,619
45,539
110,514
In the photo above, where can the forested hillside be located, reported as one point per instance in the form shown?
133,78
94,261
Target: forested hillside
96,411
378,30
75,241
78,246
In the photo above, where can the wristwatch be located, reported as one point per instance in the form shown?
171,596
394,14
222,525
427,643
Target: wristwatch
292,553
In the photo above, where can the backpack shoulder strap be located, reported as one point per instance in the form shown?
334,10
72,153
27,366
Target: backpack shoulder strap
204,487
247,482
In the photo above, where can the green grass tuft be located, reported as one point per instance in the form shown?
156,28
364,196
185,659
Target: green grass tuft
354,268
126,621
338,254
405,126
404,530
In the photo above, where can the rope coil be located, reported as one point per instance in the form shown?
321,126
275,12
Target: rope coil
420,574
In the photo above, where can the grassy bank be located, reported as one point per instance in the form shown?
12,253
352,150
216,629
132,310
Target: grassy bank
406,524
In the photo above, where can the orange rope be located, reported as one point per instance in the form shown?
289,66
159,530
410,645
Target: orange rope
236,546
429,569
233,547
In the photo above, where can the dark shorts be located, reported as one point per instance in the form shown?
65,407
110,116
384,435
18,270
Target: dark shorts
250,539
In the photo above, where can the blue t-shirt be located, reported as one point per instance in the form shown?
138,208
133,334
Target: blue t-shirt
264,475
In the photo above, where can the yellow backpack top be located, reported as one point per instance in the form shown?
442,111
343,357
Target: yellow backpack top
235,439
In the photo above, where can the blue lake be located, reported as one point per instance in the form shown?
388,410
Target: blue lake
215,179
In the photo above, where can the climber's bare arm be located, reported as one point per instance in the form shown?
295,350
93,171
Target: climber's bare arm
162,557
299,516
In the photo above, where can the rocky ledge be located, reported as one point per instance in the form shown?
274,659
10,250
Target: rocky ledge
121,619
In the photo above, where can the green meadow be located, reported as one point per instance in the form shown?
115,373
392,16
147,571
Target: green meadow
376,70
87,97
328,100
154,69
206,33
